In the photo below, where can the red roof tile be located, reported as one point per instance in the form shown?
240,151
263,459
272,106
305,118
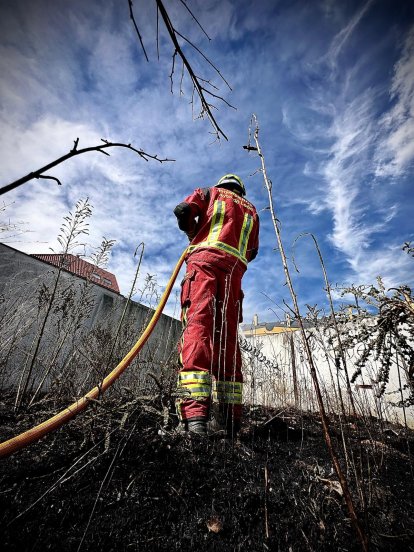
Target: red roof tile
78,266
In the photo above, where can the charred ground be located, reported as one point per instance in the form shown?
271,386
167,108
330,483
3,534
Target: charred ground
108,480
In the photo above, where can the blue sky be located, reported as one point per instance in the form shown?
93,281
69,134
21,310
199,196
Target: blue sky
332,85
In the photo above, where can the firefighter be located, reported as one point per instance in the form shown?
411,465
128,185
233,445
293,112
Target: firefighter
223,229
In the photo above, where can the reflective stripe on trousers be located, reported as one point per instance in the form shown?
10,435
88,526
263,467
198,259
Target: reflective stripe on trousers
200,385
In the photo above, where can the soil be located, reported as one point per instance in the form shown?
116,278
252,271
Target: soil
115,479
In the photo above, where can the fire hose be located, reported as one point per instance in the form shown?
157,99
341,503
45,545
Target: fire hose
35,433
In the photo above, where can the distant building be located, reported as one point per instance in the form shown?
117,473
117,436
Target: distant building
81,268
268,328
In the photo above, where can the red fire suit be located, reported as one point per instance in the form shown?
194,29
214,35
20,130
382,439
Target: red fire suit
224,228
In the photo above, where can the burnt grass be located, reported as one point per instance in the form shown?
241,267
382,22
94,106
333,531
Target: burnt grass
110,481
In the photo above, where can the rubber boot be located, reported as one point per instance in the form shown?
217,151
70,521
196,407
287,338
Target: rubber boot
197,426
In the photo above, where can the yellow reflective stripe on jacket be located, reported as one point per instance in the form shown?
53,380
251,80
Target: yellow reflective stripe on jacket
219,245
245,234
198,384
229,392
215,229
216,221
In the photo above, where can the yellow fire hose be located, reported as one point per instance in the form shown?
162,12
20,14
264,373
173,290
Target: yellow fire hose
35,433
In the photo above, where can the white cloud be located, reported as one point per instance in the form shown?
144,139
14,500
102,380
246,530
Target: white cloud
391,263
344,171
396,150
309,123
30,147
356,221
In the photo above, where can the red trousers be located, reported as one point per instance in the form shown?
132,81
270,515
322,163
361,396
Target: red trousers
211,302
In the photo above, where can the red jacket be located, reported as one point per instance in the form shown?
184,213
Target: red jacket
221,223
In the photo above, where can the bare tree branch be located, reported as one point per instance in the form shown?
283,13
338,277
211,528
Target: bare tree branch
73,152
202,55
158,34
50,178
197,82
201,90
194,17
131,15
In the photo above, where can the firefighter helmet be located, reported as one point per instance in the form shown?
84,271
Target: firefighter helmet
231,181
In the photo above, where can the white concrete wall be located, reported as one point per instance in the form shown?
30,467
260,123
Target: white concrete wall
275,387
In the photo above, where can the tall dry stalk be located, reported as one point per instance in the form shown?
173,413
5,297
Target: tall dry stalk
75,312
73,227
335,323
324,419
131,292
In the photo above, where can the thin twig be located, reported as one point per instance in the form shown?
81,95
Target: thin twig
50,178
99,494
62,478
203,56
131,15
131,293
335,322
266,489
195,18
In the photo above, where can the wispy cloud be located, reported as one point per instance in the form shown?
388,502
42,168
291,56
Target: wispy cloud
357,147
389,262
345,173
395,151
340,40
